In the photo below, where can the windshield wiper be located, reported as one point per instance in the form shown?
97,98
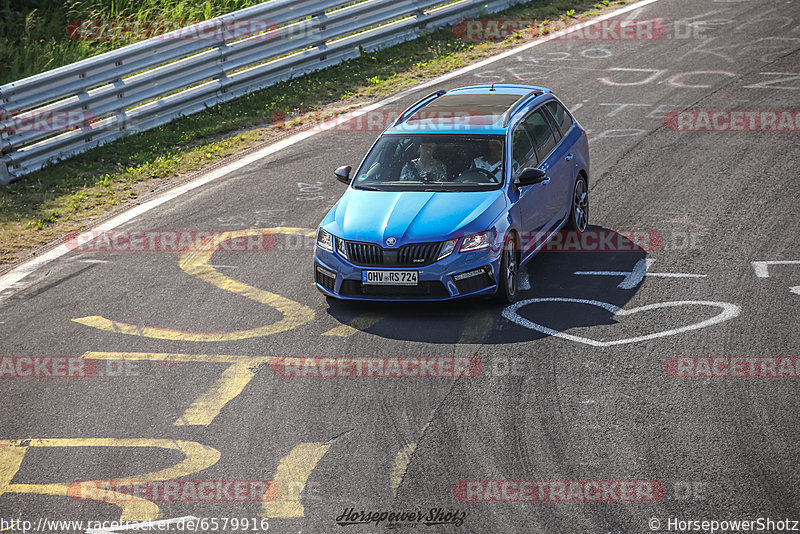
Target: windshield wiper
366,187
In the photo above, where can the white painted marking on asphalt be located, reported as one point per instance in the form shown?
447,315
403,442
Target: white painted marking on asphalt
20,272
636,275
795,290
762,267
729,311
639,272
603,273
143,525
635,13
94,261
678,275
524,281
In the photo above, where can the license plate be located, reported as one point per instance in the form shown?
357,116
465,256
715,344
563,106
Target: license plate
390,278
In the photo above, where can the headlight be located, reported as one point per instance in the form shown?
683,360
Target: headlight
447,249
324,240
341,248
476,241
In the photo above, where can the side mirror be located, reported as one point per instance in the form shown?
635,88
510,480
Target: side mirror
530,176
343,174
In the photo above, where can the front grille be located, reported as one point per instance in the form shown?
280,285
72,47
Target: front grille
324,280
372,255
431,289
418,254
364,253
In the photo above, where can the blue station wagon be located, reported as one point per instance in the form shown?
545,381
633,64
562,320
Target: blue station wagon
466,186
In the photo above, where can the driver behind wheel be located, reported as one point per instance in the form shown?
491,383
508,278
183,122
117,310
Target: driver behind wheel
425,167
492,161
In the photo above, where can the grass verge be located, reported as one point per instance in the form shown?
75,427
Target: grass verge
35,34
71,195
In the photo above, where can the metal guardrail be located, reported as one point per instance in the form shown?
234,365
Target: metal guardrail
152,82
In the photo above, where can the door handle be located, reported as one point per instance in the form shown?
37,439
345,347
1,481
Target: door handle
569,157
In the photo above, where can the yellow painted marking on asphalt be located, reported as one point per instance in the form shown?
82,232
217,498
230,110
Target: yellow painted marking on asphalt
197,263
400,465
477,327
362,322
197,457
175,357
403,458
227,387
10,462
291,476
208,405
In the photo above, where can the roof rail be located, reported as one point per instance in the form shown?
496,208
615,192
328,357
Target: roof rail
518,104
416,105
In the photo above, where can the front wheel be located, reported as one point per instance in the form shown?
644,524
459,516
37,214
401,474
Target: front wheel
509,267
579,209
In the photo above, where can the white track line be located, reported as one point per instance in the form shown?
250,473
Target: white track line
762,267
12,278
729,311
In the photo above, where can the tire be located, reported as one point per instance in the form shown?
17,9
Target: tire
579,208
509,273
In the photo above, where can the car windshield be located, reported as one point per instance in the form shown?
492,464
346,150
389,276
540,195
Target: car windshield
433,162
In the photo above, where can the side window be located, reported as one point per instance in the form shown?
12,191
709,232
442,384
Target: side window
521,147
541,132
560,115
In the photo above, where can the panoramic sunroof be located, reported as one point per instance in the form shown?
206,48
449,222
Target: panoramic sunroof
480,104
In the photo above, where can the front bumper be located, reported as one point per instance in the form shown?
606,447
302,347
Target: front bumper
436,281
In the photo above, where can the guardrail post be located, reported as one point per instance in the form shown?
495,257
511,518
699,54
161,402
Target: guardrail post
419,17
5,175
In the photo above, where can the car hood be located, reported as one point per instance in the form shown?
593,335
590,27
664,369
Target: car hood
413,216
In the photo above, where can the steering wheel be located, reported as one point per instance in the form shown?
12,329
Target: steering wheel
426,176
489,174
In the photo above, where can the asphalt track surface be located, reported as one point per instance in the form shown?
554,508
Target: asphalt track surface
593,403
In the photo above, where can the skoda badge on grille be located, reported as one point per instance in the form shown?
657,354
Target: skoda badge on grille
391,241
